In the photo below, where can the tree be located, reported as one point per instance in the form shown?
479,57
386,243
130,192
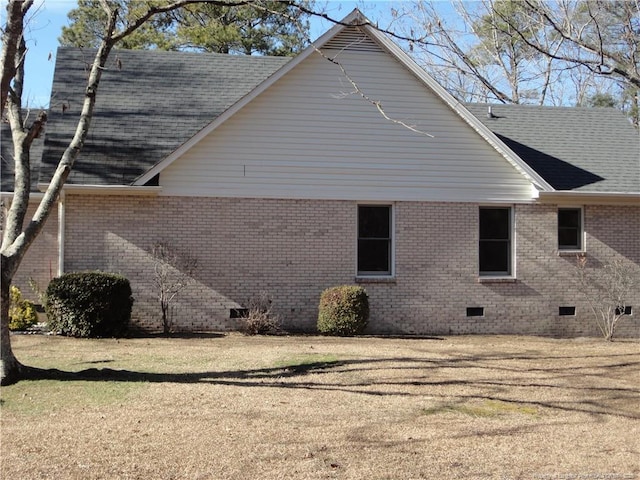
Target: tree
270,28
601,100
88,19
172,272
600,35
20,232
476,54
501,49
529,51
607,290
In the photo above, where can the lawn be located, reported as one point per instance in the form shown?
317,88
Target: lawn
308,407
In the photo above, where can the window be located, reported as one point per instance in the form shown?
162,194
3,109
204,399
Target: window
570,229
374,240
495,241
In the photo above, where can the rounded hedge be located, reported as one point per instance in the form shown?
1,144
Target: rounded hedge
343,311
89,304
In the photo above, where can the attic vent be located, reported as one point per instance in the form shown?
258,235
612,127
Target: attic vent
352,39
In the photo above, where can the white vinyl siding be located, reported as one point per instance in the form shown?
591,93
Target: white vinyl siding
310,136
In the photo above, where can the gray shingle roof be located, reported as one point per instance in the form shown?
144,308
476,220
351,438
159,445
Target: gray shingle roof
585,149
149,103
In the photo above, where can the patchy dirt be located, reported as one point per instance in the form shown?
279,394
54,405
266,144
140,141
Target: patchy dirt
236,407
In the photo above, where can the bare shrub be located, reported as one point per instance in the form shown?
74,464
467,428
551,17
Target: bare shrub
173,272
607,290
260,319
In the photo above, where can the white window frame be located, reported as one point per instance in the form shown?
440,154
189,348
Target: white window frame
511,275
392,248
583,236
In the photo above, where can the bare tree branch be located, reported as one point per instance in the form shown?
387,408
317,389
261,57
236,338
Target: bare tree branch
12,36
604,61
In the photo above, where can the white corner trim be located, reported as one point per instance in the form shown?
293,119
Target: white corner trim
61,233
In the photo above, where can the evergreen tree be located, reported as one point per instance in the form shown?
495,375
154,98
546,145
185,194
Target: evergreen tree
264,28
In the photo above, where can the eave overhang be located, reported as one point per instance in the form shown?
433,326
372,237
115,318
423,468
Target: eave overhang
122,190
590,198
32,196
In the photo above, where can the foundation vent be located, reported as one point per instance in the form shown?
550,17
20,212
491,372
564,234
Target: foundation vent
567,311
475,311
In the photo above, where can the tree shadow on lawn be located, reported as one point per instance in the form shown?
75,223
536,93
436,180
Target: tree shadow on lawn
593,399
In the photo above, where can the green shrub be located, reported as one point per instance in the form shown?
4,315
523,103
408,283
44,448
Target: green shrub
22,312
89,304
343,310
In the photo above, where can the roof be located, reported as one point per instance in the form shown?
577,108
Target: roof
153,105
6,156
149,103
582,149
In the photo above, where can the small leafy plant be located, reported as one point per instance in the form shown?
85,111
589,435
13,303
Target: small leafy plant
22,312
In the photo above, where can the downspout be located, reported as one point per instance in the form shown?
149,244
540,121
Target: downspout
61,229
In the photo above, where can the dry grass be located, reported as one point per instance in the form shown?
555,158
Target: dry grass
238,407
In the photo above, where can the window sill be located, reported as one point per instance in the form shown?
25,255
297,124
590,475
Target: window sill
571,253
375,279
497,280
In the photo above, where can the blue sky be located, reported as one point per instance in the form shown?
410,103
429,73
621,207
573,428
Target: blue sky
44,26
49,16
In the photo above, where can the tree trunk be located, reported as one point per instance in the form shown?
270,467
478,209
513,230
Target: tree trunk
10,367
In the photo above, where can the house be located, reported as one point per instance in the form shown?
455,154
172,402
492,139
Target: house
346,164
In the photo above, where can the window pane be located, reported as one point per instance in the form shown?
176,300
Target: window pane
494,250
569,217
374,221
373,256
494,223
568,238
494,257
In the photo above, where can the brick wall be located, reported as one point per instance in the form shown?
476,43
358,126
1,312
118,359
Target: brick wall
293,249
